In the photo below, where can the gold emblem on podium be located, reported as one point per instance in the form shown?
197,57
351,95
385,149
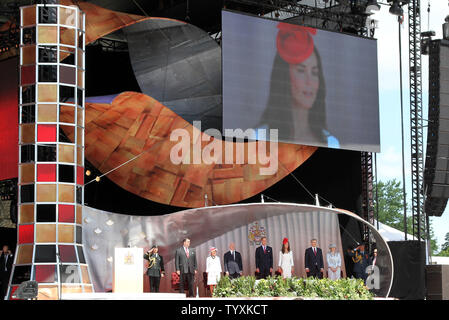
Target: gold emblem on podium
129,258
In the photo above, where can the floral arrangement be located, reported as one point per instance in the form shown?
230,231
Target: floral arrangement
342,289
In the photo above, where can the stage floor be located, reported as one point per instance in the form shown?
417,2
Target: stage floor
155,296
169,296
123,296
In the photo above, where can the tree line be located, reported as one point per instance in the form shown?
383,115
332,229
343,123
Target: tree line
389,204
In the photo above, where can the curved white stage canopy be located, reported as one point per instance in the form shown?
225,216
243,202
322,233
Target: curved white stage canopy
218,226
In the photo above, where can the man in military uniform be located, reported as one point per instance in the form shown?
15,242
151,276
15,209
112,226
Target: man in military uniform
361,261
155,268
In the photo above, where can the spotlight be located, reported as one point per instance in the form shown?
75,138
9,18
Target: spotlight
97,179
88,172
446,28
396,9
372,6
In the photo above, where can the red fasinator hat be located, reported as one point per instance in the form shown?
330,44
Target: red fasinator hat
294,43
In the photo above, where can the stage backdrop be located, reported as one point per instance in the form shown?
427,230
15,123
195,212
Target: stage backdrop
210,226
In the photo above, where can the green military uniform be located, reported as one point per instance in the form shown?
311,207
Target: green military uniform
155,269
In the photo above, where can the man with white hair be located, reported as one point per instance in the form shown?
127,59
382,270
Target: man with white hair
233,262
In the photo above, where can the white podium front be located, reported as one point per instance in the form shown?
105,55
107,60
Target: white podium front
128,270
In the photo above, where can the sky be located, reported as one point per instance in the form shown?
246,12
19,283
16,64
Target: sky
389,160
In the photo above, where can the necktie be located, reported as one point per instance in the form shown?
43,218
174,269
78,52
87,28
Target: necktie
264,250
6,261
233,255
187,252
314,250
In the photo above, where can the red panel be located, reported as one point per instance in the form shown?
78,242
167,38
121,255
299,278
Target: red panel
66,213
45,273
13,289
9,121
28,75
26,233
46,172
67,253
46,132
80,175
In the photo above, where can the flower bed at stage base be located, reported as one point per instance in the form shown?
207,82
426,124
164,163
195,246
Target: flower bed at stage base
311,288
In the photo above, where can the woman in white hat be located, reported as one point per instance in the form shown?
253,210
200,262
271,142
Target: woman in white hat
213,269
333,263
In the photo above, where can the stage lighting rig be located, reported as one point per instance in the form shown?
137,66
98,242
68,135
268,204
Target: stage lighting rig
446,28
341,15
426,37
371,6
9,38
396,7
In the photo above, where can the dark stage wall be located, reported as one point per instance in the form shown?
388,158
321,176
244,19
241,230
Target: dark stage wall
409,269
333,174
8,236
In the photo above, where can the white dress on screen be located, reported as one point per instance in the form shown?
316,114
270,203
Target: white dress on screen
334,261
286,263
213,269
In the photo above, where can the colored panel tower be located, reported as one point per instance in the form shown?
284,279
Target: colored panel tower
51,166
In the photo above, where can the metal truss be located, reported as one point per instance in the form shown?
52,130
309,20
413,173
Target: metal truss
111,45
8,189
416,119
345,14
367,191
10,38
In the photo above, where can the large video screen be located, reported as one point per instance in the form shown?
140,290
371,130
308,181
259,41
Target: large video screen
315,87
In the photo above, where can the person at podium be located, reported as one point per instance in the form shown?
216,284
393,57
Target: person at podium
186,266
155,268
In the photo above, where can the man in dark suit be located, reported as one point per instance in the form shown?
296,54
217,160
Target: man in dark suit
6,260
314,262
233,262
264,259
186,266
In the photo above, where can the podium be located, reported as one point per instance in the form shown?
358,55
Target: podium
128,270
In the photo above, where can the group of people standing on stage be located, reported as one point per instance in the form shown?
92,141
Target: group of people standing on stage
186,263
313,261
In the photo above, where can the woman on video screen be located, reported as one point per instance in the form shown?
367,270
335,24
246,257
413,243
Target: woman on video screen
296,104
